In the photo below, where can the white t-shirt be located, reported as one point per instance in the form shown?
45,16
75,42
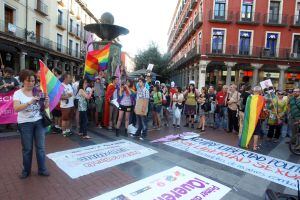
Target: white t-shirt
31,113
70,102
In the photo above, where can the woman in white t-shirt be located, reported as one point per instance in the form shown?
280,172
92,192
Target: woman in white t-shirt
28,105
177,99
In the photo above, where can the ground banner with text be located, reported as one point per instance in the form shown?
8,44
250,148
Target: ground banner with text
82,161
273,169
174,183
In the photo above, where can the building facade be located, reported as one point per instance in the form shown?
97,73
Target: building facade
128,62
236,41
50,30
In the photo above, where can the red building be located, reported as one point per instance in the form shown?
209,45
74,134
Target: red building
236,41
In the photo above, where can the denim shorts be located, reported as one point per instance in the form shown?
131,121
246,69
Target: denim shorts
157,108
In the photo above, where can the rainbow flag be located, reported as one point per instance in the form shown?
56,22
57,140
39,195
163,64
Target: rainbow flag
96,61
254,106
50,85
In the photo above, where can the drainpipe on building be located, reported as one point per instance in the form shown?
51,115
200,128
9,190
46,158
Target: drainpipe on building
68,19
26,22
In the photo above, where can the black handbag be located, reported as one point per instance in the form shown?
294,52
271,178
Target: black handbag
46,121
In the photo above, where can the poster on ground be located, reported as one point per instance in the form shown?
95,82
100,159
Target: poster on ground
82,161
174,183
276,170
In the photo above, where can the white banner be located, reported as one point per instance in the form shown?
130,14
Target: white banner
82,161
174,183
273,169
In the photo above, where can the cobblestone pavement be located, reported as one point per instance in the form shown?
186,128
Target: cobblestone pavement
61,186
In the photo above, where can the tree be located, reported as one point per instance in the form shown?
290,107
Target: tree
153,56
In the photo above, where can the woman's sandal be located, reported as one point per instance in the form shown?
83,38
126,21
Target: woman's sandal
255,148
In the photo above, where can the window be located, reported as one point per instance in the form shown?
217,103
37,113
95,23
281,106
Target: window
296,46
218,41
274,12
9,17
59,17
247,10
70,47
271,48
71,25
297,16
219,12
77,29
194,42
59,42
200,38
76,49
245,42
38,31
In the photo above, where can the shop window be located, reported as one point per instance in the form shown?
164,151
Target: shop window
245,42
218,41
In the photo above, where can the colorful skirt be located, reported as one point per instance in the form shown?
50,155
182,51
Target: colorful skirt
190,109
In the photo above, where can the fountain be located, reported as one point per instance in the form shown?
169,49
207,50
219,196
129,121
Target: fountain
108,32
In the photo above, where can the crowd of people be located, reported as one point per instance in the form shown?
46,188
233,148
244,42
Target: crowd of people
108,101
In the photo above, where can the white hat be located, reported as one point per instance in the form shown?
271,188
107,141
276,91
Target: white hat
192,82
172,84
157,82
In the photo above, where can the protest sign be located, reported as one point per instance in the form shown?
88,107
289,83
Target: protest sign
150,67
82,161
7,112
184,136
267,86
276,170
174,183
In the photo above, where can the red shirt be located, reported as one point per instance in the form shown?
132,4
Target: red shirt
221,98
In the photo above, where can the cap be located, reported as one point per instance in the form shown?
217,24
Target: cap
157,82
192,82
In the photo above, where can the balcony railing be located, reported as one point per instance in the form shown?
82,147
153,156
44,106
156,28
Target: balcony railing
194,52
197,21
11,29
295,20
275,19
73,30
41,7
221,16
250,52
62,24
41,41
248,18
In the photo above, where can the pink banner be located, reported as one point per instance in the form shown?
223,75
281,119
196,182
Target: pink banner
7,113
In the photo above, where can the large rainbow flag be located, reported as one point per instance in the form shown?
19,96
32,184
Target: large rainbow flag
254,106
50,85
96,61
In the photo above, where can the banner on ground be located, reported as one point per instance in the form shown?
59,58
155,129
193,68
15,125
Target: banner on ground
276,170
82,161
7,112
174,183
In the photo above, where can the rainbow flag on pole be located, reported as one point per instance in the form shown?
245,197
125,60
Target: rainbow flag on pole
50,85
254,106
96,61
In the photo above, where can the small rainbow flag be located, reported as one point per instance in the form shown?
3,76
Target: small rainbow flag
254,106
50,85
96,61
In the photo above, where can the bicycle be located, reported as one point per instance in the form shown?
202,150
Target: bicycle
295,146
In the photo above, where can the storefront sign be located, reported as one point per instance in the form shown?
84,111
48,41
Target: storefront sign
276,170
82,161
174,183
7,112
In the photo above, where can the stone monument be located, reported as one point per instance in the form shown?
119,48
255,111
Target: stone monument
108,32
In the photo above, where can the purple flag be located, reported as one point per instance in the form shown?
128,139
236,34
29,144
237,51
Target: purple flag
89,44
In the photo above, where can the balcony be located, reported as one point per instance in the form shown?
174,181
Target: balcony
41,41
193,53
197,21
73,30
251,18
61,24
12,30
41,8
253,52
271,19
295,21
220,16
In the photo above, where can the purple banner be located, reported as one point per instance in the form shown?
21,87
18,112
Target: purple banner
7,113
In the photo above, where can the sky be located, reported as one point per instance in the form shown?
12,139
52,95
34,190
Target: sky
147,20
